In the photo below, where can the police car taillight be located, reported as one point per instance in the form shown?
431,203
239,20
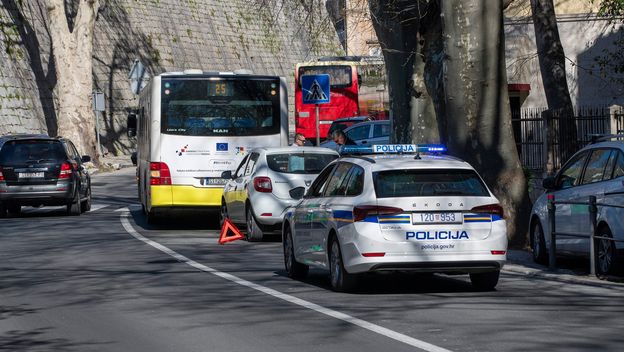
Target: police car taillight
361,212
1,175
262,184
159,174
495,209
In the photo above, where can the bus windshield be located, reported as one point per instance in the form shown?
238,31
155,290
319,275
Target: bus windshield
220,107
340,74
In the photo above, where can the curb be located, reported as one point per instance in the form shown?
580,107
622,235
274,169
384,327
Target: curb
560,275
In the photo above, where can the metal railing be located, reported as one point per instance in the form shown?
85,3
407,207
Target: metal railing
593,214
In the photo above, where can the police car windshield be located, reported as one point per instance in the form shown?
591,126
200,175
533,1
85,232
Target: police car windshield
428,183
299,163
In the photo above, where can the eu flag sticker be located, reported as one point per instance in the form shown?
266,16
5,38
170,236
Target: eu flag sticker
222,147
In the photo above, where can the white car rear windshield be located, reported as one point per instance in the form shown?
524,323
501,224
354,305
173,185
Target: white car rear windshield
428,183
299,163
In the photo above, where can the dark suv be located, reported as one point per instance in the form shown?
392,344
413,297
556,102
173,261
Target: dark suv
37,170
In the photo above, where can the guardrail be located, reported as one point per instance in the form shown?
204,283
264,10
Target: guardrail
593,214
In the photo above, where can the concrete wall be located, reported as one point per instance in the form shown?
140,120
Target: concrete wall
267,37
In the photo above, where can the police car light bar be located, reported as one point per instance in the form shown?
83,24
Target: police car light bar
394,149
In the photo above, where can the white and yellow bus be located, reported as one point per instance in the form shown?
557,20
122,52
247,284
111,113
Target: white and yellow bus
193,125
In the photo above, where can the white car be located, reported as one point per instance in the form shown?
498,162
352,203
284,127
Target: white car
595,170
260,190
427,213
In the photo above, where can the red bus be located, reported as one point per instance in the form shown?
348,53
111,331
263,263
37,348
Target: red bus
358,88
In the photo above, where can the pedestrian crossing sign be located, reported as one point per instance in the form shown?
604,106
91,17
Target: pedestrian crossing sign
315,89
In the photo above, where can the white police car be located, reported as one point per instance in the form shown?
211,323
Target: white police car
394,212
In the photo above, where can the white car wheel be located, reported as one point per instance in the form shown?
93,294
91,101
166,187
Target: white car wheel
254,233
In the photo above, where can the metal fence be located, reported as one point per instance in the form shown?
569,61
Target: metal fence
592,207
544,138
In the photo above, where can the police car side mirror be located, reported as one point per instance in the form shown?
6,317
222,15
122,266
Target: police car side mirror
226,175
85,159
297,192
549,183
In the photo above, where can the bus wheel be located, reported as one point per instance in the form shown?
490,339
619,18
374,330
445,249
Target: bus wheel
254,233
152,219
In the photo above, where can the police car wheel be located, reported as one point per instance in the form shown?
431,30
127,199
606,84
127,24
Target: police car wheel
294,269
485,281
339,278
538,244
254,233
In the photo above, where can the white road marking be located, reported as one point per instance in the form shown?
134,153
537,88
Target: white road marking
425,346
96,207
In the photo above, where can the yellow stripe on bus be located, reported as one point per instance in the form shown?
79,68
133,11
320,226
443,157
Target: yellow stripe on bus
168,196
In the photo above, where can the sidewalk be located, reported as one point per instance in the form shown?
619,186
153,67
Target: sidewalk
110,163
521,262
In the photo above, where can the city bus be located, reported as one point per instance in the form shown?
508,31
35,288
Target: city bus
194,125
358,87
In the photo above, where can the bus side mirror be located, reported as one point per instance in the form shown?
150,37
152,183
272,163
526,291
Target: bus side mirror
226,175
132,125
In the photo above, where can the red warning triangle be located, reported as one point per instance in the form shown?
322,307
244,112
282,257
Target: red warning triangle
228,226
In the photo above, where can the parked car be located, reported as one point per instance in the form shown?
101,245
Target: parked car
38,170
345,122
595,170
260,190
365,134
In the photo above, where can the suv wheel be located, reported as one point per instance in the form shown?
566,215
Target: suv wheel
73,208
86,204
14,209
3,211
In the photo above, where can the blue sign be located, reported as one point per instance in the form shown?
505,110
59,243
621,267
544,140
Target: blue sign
315,89
222,147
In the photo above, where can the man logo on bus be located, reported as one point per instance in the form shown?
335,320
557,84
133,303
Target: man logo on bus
222,147
182,150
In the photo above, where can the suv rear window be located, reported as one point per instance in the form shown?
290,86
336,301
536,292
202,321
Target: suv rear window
28,151
428,183
299,163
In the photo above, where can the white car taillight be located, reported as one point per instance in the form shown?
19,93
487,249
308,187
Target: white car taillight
262,184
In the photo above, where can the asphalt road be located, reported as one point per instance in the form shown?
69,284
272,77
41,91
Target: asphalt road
106,281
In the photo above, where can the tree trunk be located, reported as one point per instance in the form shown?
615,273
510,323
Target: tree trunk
397,25
72,52
552,66
478,117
